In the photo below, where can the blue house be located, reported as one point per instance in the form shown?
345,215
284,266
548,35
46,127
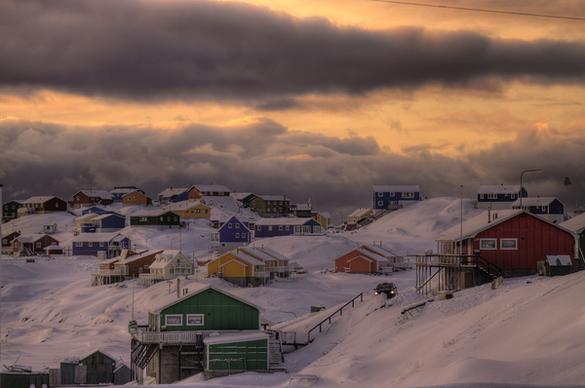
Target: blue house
286,226
110,222
394,196
99,244
178,194
94,210
549,208
231,234
498,197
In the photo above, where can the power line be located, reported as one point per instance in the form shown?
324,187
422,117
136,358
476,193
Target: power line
498,11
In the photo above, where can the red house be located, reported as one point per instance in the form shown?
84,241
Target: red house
365,259
512,240
86,198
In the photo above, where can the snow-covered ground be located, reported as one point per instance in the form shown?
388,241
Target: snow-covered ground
527,331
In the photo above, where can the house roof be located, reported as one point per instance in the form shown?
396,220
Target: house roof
370,254
163,258
141,255
303,206
100,351
169,192
107,215
240,196
559,260
103,194
473,226
360,211
213,188
379,250
38,199
226,338
184,205
204,288
134,191
266,251
28,238
284,221
247,257
258,253
125,190
499,189
228,219
534,201
273,197
152,213
97,237
395,188
576,224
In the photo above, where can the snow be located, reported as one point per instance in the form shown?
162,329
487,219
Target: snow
575,224
527,331
499,189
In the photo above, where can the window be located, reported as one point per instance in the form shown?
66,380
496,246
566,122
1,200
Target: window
408,194
270,228
287,227
244,234
380,195
509,244
174,320
492,196
237,234
101,244
488,244
380,203
229,225
38,244
237,226
258,228
195,320
279,227
143,219
78,244
90,244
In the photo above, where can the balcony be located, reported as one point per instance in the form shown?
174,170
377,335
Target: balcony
165,337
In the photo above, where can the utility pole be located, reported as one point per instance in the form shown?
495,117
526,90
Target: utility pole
460,220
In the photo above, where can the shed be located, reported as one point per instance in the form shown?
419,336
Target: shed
100,367
555,265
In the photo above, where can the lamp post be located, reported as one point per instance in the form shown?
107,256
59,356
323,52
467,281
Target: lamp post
535,170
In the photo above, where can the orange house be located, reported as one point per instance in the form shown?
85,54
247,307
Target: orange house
359,260
135,198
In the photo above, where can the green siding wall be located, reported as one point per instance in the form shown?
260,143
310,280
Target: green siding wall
238,356
221,312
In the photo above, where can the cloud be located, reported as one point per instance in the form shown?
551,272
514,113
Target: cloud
263,156
217,50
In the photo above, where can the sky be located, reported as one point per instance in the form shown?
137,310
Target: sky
315,99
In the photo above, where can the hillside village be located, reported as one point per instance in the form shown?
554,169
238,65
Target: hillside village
202,282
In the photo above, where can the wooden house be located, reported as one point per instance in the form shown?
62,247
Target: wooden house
208,330
212,191
136,198
32,244
286,226
510,242
159,218
368,259
167,265
269,205
107,273
133,265
240,268
358,216
10,210
323,218
94,210
498,197
276,264
99,244
392,197
549,208
86,198
100,223
119,192
178,194
8,242
99,367
577,226
42,204
190,209
302,209
232,233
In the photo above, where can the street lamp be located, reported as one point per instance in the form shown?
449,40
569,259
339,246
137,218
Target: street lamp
535,170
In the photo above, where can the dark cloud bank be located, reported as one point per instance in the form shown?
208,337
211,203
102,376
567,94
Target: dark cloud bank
208,50
267,158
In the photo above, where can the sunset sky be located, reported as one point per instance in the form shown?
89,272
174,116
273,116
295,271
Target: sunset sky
319,98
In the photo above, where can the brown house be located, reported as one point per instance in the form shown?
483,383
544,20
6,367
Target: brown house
7,242
366,259
135,198
133,265
91,197
43,204
32,244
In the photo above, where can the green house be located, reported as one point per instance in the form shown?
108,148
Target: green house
205,310
159,218
577,226
234,353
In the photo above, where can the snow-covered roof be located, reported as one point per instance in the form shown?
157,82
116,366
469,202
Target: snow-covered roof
575,224
96,237
213,189
202,288
499,189
471,227
106,215
283,221
165,257
28,238
152,213
259,253
370,254
360,212
268,251
240,196
103,194
303,206
396,188
141,255
169,192
273,197
183,205
38,199
559,260
380,250
86,217
247,257
534,201
124,190
244,336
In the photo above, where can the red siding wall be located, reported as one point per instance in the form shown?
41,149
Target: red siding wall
536,239
358,265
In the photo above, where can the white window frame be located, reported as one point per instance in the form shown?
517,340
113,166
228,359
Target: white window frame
78,244
380,203
237,234
408,195
173,315
495,240
237,226
509,239
202,316
90,244
380,195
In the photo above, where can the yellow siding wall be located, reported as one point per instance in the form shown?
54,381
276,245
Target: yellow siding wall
237,268
197,211
134,198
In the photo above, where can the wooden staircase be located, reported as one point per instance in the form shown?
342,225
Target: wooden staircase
275,354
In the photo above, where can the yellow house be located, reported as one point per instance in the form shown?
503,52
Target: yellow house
324,219
239,268
135,198
190,209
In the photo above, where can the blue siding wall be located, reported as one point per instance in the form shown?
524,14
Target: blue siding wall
309,227
382,200
94,210
92,248
234,231
112,222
